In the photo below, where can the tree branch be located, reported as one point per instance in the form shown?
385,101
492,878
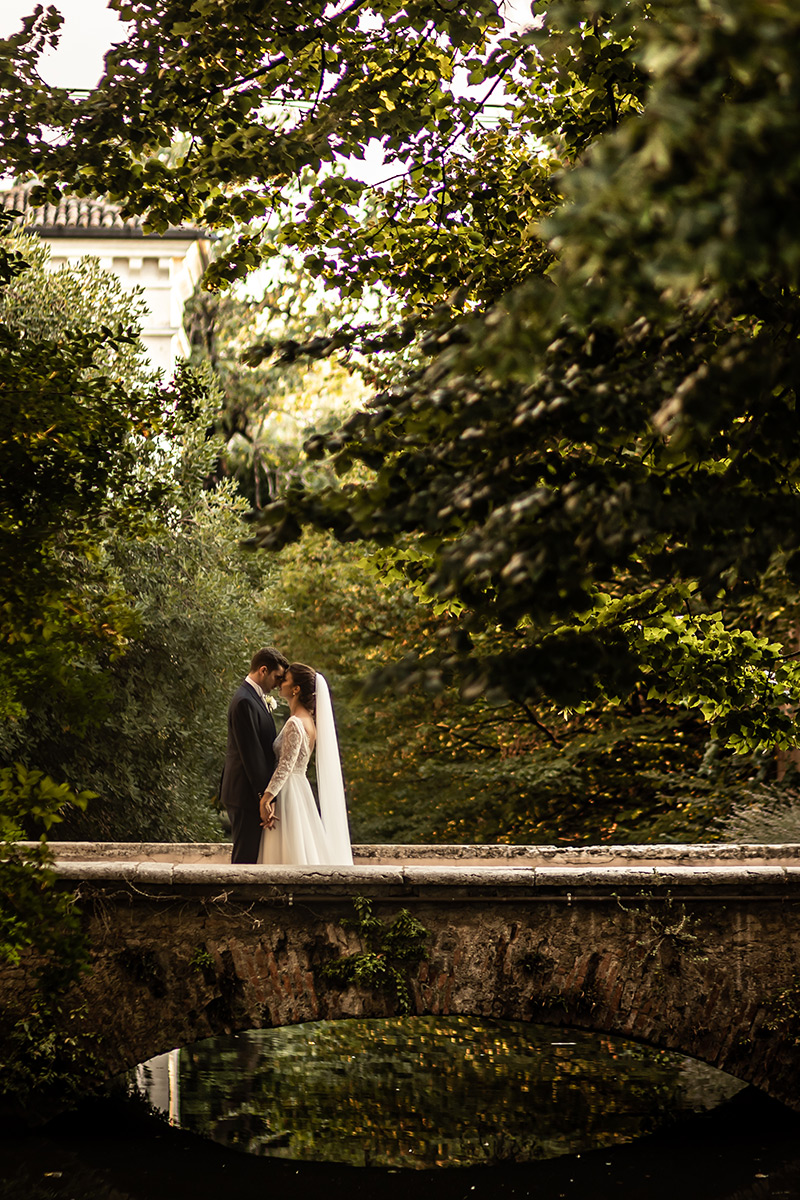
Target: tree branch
534,720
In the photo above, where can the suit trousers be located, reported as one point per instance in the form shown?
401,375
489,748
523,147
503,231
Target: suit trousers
245,833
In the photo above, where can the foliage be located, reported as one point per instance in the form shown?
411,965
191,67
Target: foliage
42,302
40,928
592,441
57,463
201,959
783,1014
766,813
138,723
604,465
153,754
262,103
44,1065
78,433
267,409
55,473
669,933
33,915
428,767
387,951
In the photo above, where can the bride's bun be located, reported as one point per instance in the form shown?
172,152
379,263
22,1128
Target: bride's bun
305,678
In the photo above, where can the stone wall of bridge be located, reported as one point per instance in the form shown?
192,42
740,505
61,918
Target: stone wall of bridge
701,956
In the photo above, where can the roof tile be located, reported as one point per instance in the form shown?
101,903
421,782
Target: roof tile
73,214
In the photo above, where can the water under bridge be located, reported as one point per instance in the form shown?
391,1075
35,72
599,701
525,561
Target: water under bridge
687,948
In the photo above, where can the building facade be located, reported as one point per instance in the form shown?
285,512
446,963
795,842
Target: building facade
166,266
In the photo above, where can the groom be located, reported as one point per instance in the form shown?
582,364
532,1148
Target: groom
249,758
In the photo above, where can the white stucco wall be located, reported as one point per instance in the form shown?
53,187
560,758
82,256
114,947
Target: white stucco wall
167,269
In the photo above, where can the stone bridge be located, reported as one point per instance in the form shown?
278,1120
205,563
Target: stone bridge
687,948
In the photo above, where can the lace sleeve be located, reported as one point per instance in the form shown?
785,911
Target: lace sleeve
288,754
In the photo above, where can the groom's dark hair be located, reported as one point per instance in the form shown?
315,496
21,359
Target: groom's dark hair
268,657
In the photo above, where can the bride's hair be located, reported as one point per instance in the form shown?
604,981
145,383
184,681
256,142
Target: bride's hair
306,679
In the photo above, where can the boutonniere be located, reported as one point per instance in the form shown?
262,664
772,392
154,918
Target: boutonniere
271,703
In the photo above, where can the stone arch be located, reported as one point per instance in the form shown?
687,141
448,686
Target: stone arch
692,973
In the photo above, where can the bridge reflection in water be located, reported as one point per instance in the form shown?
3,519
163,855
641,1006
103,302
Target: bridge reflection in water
426,1092
160,1081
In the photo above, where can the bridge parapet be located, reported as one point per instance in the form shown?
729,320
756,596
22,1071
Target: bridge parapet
681,854
498,868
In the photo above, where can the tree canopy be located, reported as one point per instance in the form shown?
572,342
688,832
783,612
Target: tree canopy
130,607
594,439
80,417
263,104
604,463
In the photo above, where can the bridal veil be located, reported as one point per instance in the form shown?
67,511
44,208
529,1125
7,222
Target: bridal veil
333,809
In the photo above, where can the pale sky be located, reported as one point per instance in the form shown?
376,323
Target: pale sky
88,31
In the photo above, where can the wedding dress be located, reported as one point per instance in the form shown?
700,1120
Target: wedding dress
304,836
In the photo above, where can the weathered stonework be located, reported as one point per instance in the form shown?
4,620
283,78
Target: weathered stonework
700,955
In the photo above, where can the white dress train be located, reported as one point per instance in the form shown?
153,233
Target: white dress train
299,838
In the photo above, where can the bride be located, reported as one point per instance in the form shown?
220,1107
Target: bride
295,833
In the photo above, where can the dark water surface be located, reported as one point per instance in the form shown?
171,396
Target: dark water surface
422,1092
478,1109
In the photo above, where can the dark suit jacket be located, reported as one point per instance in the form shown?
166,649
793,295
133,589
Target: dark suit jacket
249,764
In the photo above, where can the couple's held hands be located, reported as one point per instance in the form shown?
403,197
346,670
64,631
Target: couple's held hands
267,810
